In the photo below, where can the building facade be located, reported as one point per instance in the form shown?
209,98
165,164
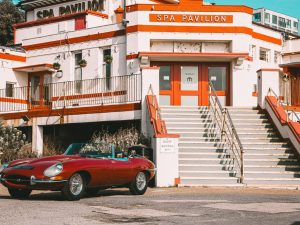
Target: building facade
95,61
276,20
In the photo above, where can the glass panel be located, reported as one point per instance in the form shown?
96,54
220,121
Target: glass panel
9,92
189,100
189,78
164,100
35,89
165,78
217,75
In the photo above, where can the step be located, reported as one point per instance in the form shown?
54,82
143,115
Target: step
213,155
188,119
269,156
203,174
196,134
251,126
203,161
265,140
272,181
270,168
268,151
270,162
248,116
243,135
208,181
199,139
237,121
263,145
201,144
191,130
203,150
271,174
205,167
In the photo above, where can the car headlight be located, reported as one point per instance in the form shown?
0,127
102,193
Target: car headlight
53,170
3,166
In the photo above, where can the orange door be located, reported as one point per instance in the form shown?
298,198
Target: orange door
187,83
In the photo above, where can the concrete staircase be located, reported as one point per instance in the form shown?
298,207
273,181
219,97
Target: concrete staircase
203,159
269,160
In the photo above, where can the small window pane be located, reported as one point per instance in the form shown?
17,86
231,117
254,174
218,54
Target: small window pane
274,19
9,92
165,78
257,17
217,75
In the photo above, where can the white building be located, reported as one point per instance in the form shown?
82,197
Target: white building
174,46
276,20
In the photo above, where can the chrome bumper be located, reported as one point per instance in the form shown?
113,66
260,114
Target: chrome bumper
34,181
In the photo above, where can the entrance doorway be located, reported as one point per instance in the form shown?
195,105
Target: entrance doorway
186,84
39,93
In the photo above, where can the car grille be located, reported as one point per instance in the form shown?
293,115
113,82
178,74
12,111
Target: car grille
18,179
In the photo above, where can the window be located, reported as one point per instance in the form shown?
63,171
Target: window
282,22
288,23
277,57
296,25
80,23
267,17
217,75
165,78
264,54
9,91
78,72
274,19
257,17
107,67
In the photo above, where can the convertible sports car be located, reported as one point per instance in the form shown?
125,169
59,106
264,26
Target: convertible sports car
77,172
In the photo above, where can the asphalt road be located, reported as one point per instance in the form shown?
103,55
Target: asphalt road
194,206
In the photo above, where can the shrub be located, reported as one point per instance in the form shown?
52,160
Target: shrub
52,146
11,142
122,140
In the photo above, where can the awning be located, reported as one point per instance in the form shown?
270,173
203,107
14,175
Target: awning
193,57
291,65
34,68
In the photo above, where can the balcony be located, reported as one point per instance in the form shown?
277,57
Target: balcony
118,90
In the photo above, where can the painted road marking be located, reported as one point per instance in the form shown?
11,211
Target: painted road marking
265,207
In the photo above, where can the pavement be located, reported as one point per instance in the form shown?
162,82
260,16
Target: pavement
217,206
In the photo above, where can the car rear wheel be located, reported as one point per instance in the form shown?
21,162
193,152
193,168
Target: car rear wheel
139,185
75,187
19,193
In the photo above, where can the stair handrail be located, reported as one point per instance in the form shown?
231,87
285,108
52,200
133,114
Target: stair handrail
155,105
228,131
279,103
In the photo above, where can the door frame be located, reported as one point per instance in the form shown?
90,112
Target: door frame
175,93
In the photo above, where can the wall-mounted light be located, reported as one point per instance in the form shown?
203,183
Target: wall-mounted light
239,61
131,64
116,49
144,60
59,74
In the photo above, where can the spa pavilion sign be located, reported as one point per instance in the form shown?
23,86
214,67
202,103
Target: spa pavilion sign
190,18
94,5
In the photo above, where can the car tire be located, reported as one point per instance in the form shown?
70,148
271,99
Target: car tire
92,191
140,184
75,187
19,193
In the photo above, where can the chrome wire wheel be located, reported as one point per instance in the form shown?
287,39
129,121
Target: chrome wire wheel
76,184
141,181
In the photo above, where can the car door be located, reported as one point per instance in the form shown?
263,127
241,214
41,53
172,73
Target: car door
122,171
101,172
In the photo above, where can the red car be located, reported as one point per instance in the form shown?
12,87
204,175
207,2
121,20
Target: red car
77,172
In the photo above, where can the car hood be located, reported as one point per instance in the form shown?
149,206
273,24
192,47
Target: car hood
50,160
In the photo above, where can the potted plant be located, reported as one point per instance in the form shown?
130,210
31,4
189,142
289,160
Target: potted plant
56,66
108,59
82,63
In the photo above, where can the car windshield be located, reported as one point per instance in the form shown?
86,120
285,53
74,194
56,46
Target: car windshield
93,150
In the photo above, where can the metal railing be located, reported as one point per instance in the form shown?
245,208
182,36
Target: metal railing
291,115
99,91
228,133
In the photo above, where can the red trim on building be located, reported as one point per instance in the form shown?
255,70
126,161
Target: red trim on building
12,57
206,54
73,111
268,70
34,66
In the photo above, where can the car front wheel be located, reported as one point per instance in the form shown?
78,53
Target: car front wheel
19,193
75,187
139,185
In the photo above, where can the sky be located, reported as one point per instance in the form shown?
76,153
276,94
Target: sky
289,7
